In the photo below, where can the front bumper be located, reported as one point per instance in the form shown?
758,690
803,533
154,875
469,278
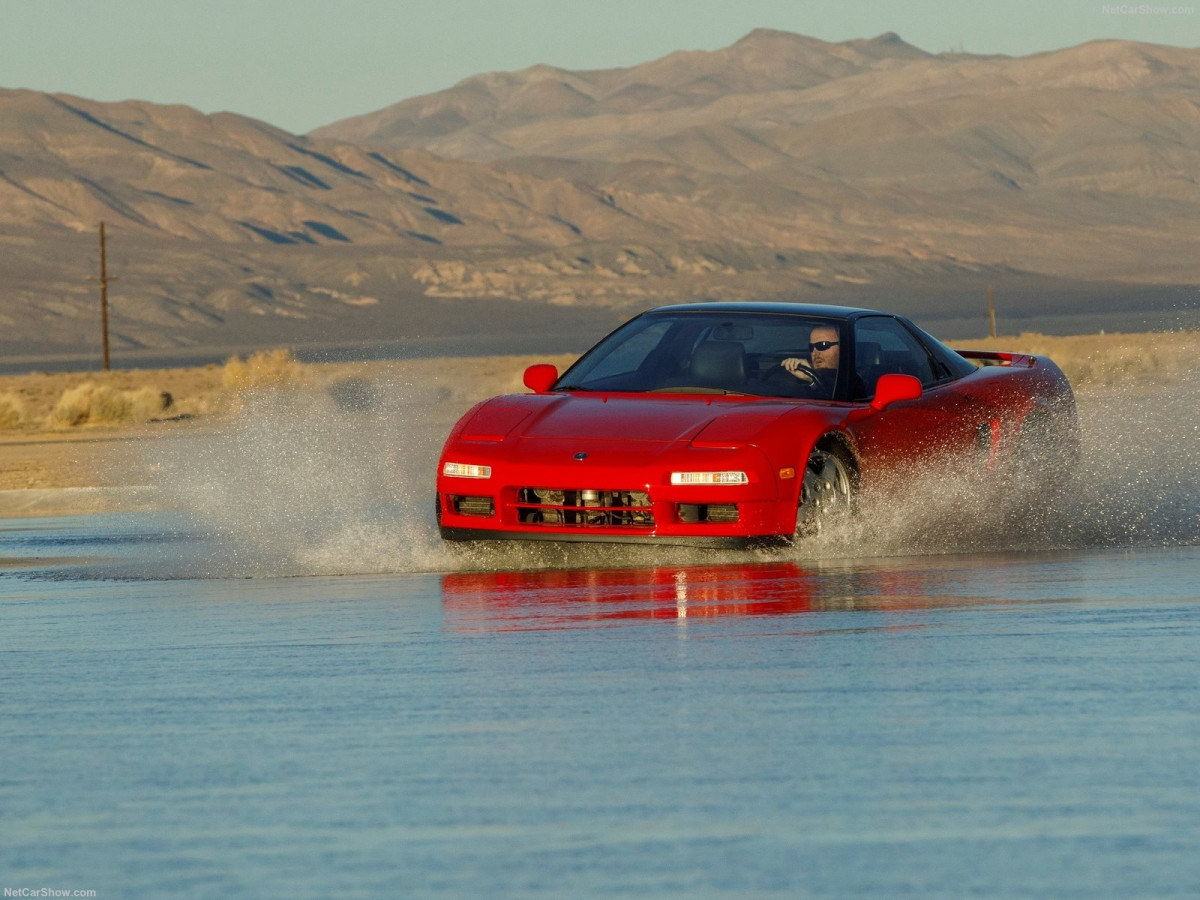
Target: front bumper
609,501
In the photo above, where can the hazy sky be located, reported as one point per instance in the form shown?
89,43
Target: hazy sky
303,63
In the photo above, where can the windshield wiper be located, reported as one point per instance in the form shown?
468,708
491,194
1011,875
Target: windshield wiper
572,387
701,390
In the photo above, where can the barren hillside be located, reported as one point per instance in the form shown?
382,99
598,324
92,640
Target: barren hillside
520,206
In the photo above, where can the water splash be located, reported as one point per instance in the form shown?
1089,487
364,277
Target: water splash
303,483
342,482
1136,483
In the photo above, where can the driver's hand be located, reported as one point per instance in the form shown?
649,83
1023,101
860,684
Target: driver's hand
801,368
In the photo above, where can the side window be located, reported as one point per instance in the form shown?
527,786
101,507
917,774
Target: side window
883,346
949,363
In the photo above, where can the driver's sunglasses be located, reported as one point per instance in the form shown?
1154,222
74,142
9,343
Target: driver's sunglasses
822,345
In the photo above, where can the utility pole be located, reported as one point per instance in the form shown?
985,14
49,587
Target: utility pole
104,280
991,311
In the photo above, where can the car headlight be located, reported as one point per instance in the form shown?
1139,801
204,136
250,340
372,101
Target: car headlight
466,470
709,478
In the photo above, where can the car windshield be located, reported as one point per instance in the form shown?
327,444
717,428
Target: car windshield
719,352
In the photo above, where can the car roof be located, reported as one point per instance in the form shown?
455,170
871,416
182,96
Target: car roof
795,309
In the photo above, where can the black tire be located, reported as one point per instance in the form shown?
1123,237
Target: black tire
827,491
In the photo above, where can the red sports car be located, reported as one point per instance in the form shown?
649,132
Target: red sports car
724,423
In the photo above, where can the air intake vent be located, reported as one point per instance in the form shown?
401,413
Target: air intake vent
473,506
696,513
584,508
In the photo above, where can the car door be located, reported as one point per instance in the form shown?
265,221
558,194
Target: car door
945,423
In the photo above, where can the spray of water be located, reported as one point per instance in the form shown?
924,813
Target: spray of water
342,482
303,483
1136,483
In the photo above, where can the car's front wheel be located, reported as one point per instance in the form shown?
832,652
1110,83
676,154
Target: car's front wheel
827,491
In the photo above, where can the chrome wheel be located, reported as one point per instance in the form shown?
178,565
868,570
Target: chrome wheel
825,493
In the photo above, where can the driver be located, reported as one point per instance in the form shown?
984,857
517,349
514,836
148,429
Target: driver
823,347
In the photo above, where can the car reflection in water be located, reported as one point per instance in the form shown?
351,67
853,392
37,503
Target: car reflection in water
571,598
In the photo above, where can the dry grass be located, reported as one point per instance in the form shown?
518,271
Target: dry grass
57,402
12,410
76,401
1107,360
98,404
265,369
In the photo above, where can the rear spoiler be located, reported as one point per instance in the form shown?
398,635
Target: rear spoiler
997,358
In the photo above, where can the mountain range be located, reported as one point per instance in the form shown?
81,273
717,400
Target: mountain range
868,172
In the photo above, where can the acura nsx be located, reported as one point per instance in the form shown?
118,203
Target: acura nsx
727,423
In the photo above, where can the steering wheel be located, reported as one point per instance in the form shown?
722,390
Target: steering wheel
784,384
803,373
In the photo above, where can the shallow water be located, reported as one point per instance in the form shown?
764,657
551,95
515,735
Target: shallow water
972,724
287,686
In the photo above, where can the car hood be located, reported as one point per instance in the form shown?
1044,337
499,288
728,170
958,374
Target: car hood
707,419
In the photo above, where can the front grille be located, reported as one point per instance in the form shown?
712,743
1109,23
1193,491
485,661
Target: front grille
584,508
